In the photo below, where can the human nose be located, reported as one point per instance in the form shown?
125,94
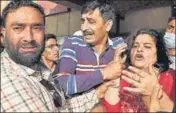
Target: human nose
84,26
28,34
139,49
56,47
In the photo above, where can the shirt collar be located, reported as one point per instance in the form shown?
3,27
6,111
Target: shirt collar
110,42
27,69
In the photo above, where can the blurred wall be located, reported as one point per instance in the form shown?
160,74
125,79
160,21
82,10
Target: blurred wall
63,24
155,18
3,4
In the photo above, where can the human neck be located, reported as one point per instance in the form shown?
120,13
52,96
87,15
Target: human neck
100,48
49,64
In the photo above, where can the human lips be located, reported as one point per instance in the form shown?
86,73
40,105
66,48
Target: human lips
28,49
139,57
87,33
56,55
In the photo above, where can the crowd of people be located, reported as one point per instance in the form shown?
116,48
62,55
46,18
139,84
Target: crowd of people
93,72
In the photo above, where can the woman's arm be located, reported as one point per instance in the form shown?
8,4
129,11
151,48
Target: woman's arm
160,101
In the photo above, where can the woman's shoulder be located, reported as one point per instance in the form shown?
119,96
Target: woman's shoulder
168,76
167,80
170,72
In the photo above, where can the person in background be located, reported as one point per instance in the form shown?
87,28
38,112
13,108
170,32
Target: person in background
170,38
90,57
50,55
1,36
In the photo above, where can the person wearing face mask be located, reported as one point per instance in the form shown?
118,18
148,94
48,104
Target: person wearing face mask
169,38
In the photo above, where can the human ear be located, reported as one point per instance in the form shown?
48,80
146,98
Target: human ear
109,24
3,31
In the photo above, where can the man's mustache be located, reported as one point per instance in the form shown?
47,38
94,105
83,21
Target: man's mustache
30,44
88,32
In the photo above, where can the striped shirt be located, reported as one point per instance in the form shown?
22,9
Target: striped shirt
81,65
21,92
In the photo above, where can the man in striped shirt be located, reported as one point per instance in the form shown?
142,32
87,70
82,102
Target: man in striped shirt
86,62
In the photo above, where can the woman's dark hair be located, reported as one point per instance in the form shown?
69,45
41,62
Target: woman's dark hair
50,36
105,7
163,61
15,4
173,17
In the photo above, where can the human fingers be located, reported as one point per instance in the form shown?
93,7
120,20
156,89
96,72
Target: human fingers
131,89
131,75
101,90
122,46
117,55
119,51
124,58
131,81
109,83
103,87
151,69
138,71
160,93
154,104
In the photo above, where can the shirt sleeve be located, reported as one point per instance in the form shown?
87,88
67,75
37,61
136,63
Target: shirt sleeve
70,82
83,103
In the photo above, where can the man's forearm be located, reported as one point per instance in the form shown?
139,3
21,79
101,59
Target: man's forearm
73,84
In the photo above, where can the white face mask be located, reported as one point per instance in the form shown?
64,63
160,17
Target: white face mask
169,39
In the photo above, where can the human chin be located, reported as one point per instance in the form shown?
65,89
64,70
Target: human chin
139,64
89,39
29,58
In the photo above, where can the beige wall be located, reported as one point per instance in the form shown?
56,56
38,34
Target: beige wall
155,18
61,25
3,4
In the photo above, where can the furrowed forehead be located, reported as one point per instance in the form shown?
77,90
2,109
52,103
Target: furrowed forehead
25,15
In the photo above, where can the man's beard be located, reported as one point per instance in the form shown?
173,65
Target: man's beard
28,60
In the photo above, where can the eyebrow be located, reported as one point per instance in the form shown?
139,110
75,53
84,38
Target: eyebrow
37,24
22,24
17,24
88,18
147,44
171,26
143,43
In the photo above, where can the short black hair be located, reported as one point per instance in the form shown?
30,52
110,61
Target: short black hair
162,54
173,17
50,36
15,4
105,7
